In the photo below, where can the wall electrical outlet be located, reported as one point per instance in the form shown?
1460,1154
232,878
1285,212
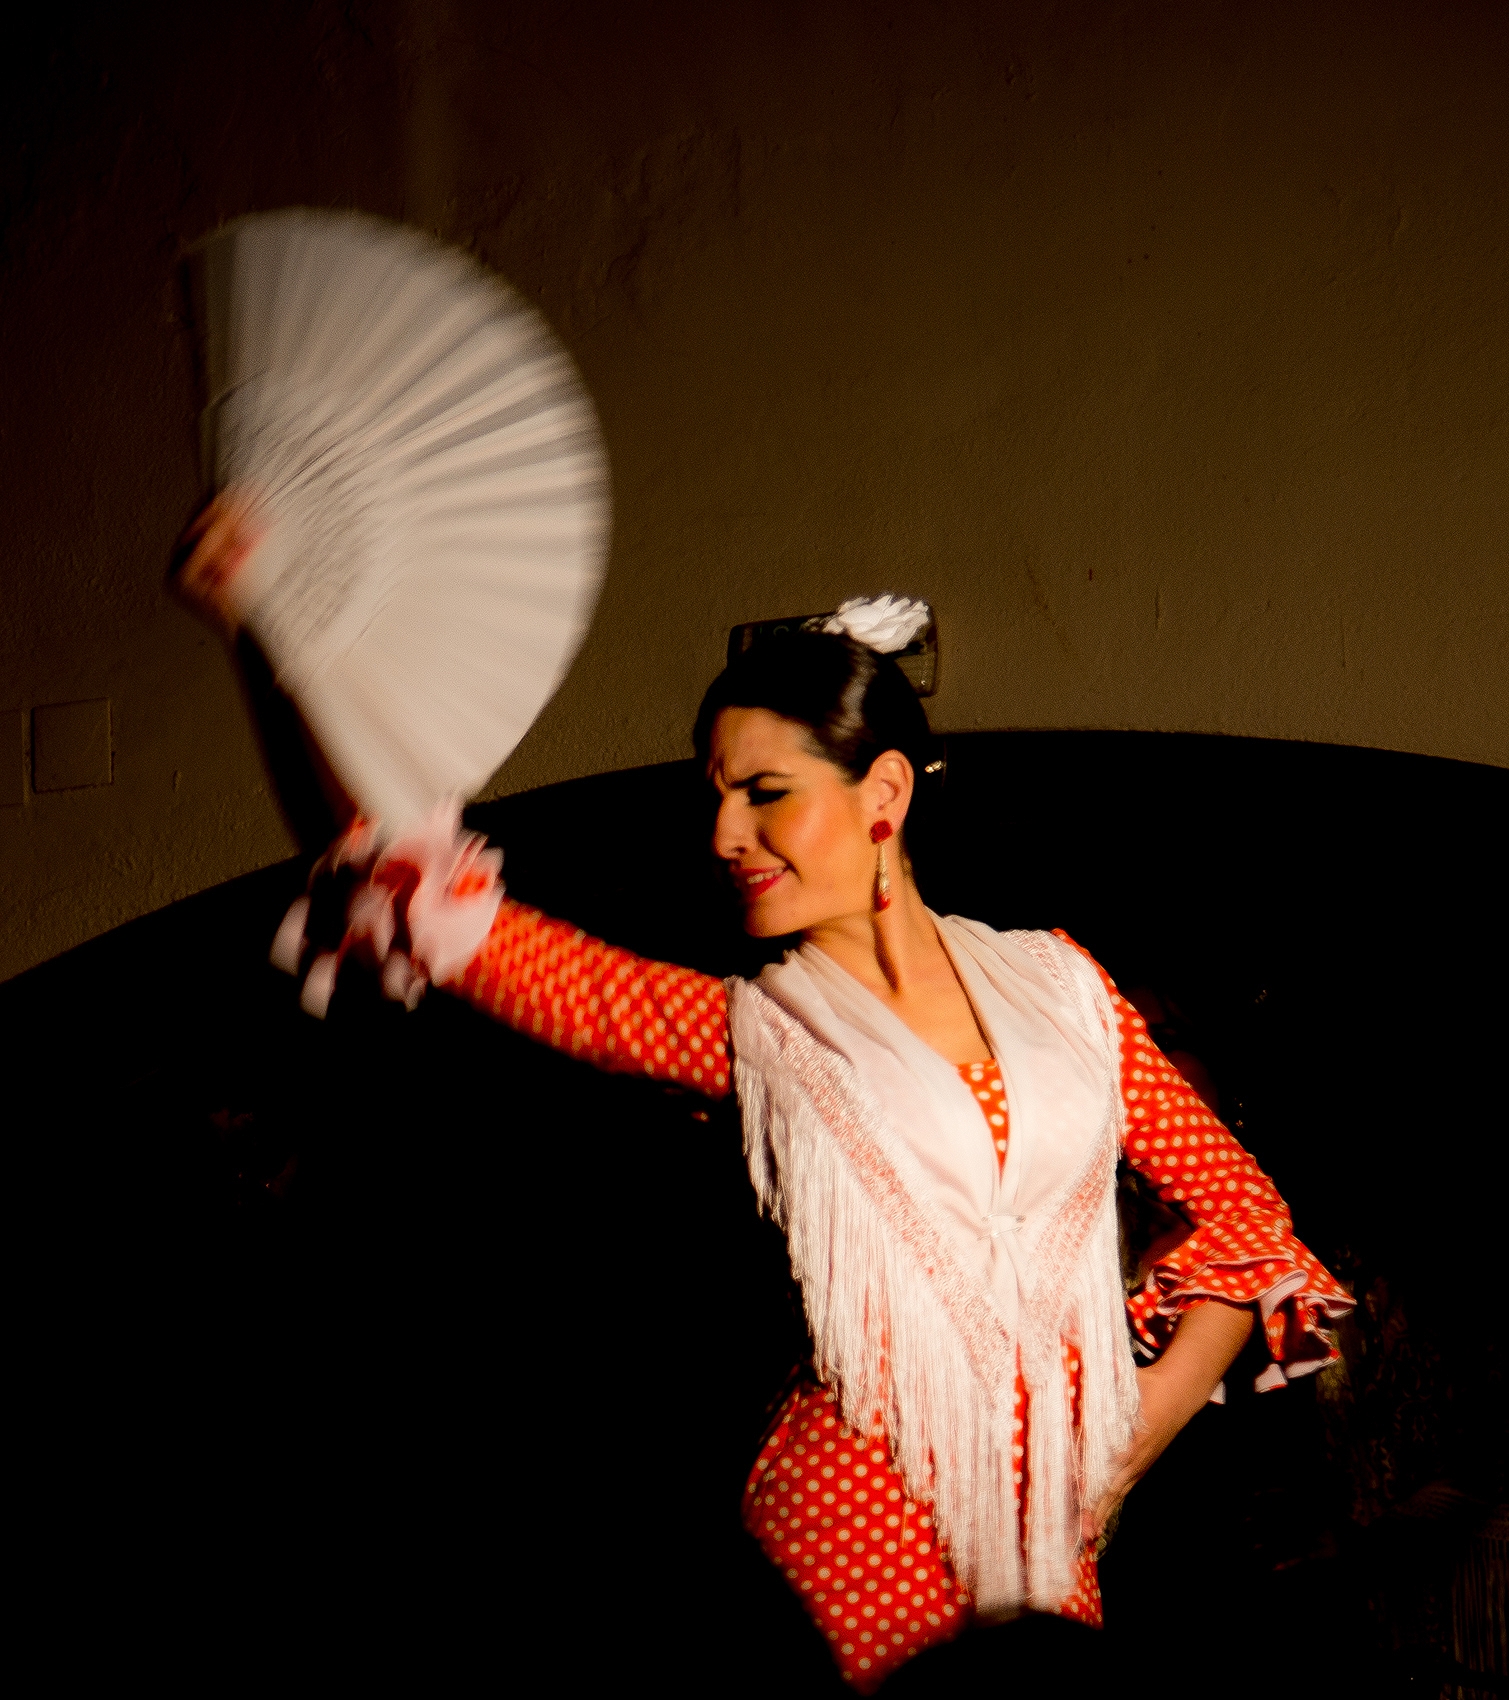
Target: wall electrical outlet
70,745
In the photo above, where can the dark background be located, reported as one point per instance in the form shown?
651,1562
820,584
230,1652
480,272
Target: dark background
399,1343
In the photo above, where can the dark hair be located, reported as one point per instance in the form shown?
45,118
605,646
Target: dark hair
854,702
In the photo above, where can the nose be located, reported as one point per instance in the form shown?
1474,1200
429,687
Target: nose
731,835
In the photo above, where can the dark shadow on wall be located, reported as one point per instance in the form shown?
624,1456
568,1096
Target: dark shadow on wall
399,1343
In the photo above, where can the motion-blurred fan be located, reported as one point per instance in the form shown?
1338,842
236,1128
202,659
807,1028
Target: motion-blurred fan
433,484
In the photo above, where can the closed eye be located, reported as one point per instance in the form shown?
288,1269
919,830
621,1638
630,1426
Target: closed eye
755,787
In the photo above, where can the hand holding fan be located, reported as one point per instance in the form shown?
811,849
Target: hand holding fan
415,491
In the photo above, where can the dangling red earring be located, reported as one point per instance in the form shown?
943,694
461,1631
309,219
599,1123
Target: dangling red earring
879,833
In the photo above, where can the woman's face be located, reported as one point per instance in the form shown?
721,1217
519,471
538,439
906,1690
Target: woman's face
793,828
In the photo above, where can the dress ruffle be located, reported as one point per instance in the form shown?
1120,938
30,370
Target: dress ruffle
1241,1248
1253,1259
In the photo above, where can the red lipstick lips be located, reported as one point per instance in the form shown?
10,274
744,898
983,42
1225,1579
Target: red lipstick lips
755,882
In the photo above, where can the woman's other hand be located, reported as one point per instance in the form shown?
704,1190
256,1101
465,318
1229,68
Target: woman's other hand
212,550
1171,1391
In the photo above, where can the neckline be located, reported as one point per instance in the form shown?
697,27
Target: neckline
809,950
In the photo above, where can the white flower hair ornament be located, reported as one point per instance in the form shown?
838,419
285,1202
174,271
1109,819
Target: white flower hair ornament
884,623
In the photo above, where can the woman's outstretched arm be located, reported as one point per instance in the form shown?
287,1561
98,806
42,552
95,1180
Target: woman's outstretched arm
621,1012
429,909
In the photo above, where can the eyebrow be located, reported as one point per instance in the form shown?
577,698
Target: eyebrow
755,778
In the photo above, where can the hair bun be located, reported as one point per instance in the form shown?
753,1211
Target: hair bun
883,623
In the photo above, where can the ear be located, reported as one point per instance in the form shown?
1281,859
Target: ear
887,787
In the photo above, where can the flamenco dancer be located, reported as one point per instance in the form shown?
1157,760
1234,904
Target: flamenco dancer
933,1111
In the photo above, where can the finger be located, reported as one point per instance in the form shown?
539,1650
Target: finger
218,536
199,595
197,575
204,580
200,523
1095,1520
222,543
1117,1489
202,567
193,533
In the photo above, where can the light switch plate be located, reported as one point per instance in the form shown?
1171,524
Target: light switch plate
70,745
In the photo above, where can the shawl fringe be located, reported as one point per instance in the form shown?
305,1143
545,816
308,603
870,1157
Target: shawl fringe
907,1335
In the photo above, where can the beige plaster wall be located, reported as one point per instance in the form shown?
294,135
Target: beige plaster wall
1164,348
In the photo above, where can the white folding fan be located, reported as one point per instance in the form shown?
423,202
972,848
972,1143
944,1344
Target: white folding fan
429,470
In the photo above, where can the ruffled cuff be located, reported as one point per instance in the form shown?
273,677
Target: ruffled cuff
417,909
1258,1262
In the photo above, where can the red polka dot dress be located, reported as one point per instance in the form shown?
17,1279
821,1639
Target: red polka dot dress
826,1504
831,1511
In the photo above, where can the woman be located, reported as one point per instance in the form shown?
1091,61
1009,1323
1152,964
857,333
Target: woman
933,1111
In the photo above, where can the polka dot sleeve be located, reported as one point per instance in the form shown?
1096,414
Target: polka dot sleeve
1242,1248
618,1011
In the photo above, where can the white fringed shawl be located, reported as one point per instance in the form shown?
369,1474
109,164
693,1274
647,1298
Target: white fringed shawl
927,1274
